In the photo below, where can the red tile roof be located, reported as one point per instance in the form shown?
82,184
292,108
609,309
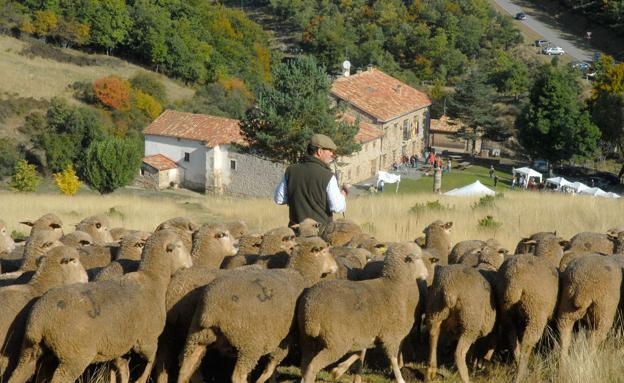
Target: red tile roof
368,132
160,162
197,127
444,124
378,94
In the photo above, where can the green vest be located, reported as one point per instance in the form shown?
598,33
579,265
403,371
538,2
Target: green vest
306,186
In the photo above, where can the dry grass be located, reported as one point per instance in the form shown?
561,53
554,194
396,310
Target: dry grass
44,78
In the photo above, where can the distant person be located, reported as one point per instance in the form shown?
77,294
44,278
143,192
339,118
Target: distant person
448,166
513,181
491,171
495,180
381,186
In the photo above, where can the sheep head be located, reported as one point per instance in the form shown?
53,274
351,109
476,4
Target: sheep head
618,241
48,222
77,239
132,245
404,262
212,243
37,245
307,228
165,246
98,228
183,226
281,239
6,242
63,264
340,232
438,236
250,244
237,229
312,258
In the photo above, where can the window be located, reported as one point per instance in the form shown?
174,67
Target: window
233,164
187,157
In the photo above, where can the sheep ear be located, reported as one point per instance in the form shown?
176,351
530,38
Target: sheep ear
420,241
27,223
530,242
84,242
448,225
611,236
564,243
55,226
295,226
503,251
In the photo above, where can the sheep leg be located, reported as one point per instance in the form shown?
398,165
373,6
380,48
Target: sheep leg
122,370
27,363
194,350
319,361
148,367
244,364
463,345
70,371
532,334
434,334
565,336
602,317
357,378
275,358
392,353
341,368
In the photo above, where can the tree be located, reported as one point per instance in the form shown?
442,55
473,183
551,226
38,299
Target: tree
67,181
111,164
150,84
554,125
473,103
113,92
607,102
147,104
25,177
8,157
297,106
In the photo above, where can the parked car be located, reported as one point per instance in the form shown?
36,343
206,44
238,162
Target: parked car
521,16
541,43
553,51
580,65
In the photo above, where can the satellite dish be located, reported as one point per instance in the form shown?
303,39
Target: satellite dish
346,65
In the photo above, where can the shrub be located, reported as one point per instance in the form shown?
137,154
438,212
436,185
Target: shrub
25,177
486,201
113,92
111,163
429,205
8,157
150,84
147,104
67,181
488,222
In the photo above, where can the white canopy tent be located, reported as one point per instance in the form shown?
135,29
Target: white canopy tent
527,173
577,186
474,189
612,195
388,178
595,191
559,182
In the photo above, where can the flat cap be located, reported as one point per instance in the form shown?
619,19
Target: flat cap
322,141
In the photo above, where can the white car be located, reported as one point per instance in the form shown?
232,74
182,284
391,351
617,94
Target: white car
553,51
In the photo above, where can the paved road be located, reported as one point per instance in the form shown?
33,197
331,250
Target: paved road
556,38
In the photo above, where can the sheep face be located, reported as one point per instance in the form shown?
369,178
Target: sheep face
249,244
48,222
618,241
40,243
278,240
178,255
314,253
77,239
98,227
307,228
62,264
439,231
132,244
6,242
237,229
405,259
183,226
341,232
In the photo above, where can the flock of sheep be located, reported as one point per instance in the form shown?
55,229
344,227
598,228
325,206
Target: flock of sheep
99,293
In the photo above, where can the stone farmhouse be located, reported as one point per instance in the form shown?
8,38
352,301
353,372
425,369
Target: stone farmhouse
196,151
394,121
200,147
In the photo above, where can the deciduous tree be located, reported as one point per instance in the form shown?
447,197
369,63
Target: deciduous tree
111,164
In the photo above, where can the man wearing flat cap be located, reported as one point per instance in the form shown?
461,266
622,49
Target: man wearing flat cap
309,187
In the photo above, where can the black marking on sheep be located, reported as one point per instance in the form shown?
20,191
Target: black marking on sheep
234,298
95,312
61,304
266,294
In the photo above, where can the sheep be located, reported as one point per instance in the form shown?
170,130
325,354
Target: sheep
183,226
340,232
127,256
590,242
237,229
249,244
462,301
307,228
438,240
77,239
350,261
100,321
526,244
550,248
527,290
60,266
46,222
263,303
465,247
118,233
590,285
97,226
484,255
365,241
211,244
338,316
38,244
274,252
6,242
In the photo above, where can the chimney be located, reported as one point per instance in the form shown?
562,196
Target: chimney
398,89
369,67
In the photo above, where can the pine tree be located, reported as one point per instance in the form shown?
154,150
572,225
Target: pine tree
25,178
297,106
111,164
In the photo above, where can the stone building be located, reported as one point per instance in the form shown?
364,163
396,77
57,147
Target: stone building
394,121
202,148
442,136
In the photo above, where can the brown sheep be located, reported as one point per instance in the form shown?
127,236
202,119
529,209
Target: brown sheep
589,242
60,266
438,240
77,239
97,226
101,321
46,222
527,245
527,291
211,244
183,226
465,247
274,252
590,285
127,256
250,244
6,242
263,303
307,228
237,229
340,232
460,300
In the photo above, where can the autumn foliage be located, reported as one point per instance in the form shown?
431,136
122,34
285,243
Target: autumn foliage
113,92
67,181
147,104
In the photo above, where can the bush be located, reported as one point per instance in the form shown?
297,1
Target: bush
112,163
67,181
8,157
429,205
147,104
150,84
487,201
25,177
113,92
488,222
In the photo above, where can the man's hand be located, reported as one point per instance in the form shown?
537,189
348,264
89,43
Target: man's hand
344,189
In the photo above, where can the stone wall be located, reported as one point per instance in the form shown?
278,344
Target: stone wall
252,175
